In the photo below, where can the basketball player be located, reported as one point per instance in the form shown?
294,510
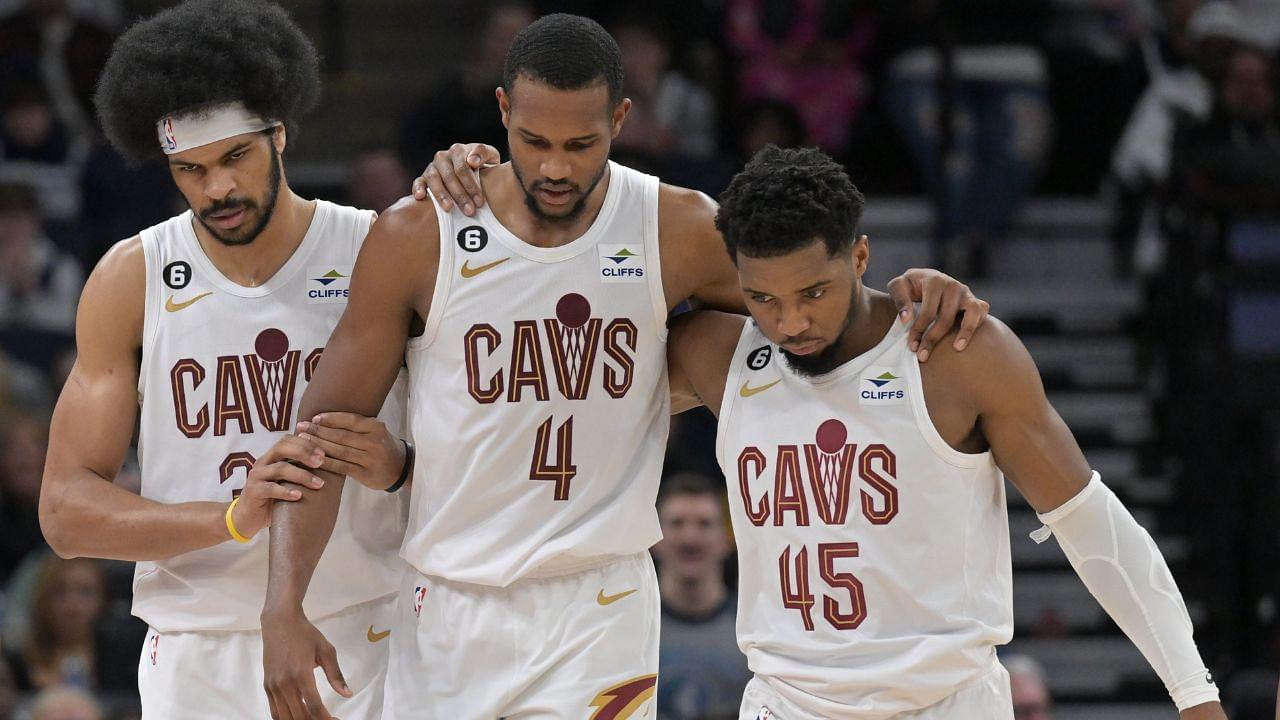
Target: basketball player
214,321
868,488
540,411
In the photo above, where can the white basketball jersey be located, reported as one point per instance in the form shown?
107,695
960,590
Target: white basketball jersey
874,558
538,396
223,370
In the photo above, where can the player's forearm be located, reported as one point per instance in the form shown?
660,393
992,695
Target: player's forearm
84,515
1125,571
299,533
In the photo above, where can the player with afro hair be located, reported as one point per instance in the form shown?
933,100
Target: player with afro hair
203,53
211,86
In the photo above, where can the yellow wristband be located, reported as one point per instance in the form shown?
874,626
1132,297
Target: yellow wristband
231,524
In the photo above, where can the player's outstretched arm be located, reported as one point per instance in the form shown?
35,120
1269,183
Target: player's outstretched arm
82,511
700,350
390,286
1113,555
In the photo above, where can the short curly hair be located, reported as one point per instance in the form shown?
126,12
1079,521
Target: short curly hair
567,52
785,199
200,53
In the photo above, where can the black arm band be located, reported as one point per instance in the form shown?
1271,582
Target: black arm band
404,471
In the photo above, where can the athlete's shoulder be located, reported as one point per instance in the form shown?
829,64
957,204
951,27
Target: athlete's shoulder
409,227
993,358
114,295
682,205
700,350
124,264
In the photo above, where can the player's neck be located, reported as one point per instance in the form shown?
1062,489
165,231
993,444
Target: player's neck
507,201
253,264
874,315
695,596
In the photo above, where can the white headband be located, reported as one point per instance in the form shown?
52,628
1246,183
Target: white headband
189,129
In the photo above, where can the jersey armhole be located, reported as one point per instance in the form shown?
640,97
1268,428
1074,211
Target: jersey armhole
152,255
653,255
924,424
727,402
444,274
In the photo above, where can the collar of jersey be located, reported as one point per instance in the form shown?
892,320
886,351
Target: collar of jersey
577,246
286,272
857,364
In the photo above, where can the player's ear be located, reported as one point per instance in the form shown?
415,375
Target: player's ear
619,114
504,106
861,254
279,137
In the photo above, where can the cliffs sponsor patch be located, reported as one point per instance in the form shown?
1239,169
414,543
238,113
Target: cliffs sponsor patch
881,386
621,263
328,284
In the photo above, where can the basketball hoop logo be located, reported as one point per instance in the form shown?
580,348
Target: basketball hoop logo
273,371
576,334
830,460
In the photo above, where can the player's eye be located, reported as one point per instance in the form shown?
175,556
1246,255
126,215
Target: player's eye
577,147
188,168
760,298
237,155
816,293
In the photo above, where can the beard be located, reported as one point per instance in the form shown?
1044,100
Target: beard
531,201
828,358
266,208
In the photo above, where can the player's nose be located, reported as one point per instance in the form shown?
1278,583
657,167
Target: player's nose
219,183
793,322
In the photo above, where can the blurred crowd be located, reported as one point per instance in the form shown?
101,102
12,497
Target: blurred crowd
1166,108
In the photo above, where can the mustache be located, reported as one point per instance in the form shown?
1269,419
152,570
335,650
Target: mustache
232,204
557,186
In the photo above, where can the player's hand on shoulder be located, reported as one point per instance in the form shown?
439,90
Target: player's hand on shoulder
359,447
282,473
292,648
1207,711
943,300
450,180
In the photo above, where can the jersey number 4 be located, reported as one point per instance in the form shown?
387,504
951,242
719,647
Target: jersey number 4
561,470
796,594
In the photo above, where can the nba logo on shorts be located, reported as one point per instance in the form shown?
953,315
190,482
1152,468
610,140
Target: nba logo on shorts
170,140
419,594
155,647
765,714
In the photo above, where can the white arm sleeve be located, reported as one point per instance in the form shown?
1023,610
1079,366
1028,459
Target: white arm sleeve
1123,568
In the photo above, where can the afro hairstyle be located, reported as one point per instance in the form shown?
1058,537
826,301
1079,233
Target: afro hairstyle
785,199
201,53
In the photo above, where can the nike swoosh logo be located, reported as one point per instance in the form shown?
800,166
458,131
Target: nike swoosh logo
611,599
470,272
377,636
172,306
748,391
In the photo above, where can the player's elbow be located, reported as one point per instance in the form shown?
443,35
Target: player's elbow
58,531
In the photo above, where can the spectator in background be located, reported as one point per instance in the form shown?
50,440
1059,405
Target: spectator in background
1231,161
462,107
376,179
810,54
1201,36
8,691
45,39
23,440
1031,700
703,671
71,643
1000,118
37,150
65,703
1096,73
39,283
671,116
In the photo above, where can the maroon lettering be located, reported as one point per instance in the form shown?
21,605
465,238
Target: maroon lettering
619,338
230,401
527,368
192,428
483,333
